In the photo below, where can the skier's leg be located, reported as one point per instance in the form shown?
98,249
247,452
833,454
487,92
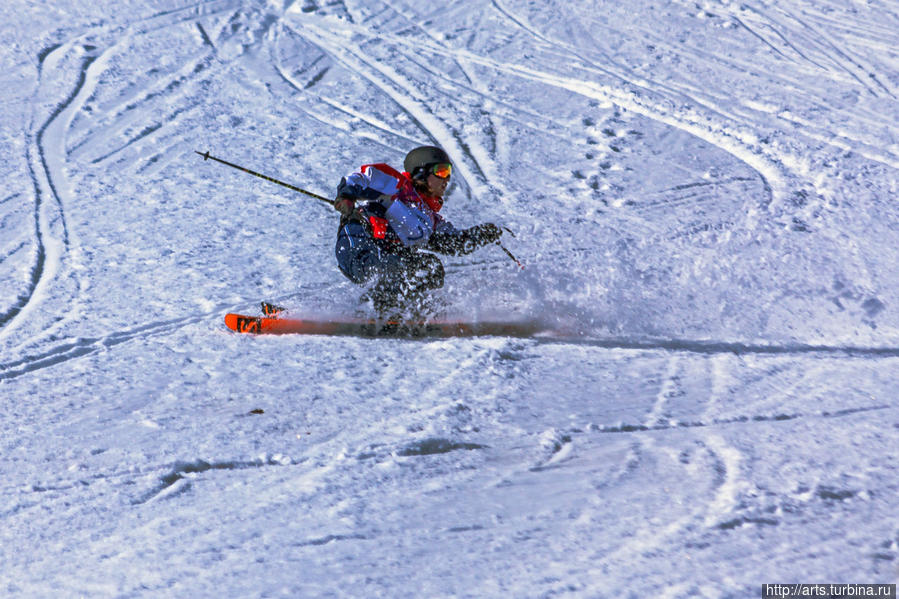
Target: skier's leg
358,256
425,272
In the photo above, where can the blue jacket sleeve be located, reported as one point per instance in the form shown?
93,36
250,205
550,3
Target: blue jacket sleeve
370,184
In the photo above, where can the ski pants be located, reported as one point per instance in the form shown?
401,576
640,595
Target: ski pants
362,260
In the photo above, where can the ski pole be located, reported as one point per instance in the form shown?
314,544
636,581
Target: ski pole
509,254
206,156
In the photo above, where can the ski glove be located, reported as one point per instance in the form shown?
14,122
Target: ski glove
345,205
485,233
464,242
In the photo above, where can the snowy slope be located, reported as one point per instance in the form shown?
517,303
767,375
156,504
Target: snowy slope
707,189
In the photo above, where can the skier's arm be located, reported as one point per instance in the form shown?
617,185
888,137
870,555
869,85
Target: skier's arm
458,243
411,225
370,184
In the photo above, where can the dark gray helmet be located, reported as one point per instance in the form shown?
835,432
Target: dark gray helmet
420,158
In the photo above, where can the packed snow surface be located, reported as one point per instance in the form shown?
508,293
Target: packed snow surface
703,194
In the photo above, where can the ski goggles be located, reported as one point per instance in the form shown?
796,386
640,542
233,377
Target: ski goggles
441,170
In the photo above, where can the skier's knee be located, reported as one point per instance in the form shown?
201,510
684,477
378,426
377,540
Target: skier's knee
429,272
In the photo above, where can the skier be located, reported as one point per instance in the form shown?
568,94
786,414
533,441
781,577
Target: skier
390,224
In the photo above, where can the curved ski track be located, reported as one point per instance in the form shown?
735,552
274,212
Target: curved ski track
80,347
656,101
409,98
56,251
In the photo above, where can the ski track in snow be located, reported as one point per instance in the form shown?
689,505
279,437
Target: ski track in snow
701,193
54,248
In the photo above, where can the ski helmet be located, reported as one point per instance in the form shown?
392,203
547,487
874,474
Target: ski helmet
418,160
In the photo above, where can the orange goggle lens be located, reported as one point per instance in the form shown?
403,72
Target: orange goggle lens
442,170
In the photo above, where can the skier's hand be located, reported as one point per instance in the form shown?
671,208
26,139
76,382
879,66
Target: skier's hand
344,205
486,233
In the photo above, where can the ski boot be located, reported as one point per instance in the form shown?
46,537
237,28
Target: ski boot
269,309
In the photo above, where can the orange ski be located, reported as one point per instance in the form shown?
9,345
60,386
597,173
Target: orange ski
378,328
